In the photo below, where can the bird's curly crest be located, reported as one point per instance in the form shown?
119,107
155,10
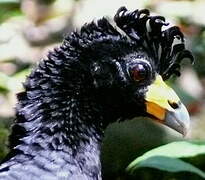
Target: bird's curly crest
146,30
143,30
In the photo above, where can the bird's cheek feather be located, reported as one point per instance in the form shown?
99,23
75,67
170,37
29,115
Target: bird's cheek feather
165,106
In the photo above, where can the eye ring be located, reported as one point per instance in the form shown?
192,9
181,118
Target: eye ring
138,72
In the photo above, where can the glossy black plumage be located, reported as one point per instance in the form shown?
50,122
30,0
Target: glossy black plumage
81,87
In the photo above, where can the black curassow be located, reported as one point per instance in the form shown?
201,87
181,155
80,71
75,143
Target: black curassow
98,75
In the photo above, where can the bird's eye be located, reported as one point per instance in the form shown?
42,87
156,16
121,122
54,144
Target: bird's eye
138,72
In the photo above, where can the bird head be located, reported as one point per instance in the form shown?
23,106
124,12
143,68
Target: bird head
127,67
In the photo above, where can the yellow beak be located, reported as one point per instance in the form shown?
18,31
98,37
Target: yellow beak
164,105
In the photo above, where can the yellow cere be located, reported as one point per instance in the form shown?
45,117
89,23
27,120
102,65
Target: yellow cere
158,96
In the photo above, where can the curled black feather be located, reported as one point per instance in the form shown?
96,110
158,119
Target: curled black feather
146,30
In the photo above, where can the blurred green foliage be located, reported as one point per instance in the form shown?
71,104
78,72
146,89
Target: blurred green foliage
3,142
47,2
4,132
199,51
9,8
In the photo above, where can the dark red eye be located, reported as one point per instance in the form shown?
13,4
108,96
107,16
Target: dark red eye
138,72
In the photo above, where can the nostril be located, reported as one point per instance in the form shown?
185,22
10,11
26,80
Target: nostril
174,105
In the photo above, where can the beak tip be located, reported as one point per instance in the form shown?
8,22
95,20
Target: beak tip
184,131
178,120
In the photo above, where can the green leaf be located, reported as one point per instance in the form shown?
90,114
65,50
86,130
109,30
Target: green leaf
180,149
168,164
170,151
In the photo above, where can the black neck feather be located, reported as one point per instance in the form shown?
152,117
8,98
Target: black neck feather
54,112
